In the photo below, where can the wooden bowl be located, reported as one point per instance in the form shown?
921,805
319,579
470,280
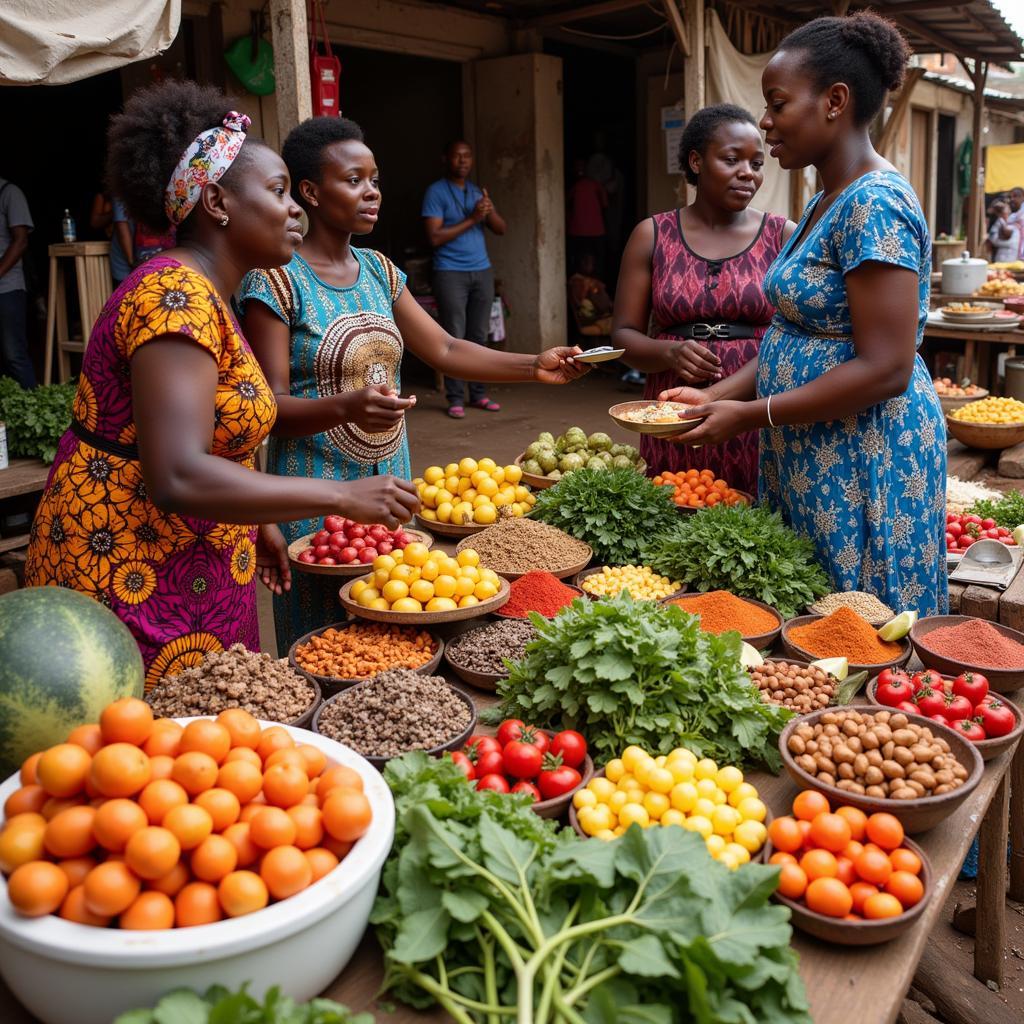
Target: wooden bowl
915,815
540,483
815,609
1002,680
988,436
600,568
564,573
422,618
987,748
759,640
858,933
687,511
355,569
304,720
502,615
455,743
481,680
801,652
330,685
654,429
449,529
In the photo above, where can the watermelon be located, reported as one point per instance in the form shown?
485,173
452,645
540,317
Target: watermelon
63,658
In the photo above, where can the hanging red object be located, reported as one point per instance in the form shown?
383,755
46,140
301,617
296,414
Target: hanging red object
324,68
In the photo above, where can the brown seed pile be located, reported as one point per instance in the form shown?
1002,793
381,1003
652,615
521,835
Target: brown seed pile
393,712
519,545
866,605
879,754
799,687
484,649
235,678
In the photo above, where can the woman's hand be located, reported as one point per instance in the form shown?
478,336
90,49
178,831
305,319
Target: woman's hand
375,409
694,363
722,420
687,396
272,559
556,365
379,499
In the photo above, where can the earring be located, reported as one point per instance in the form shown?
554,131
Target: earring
314,202
224,221
831,115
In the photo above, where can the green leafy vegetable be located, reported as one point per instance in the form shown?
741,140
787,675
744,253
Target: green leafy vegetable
614,511
748,551
220,1006
645,929
1007,511
37,419
623,671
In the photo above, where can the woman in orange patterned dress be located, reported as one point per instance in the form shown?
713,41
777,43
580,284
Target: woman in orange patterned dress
150,503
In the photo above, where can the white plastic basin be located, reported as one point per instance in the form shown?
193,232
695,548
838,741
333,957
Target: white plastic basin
67,973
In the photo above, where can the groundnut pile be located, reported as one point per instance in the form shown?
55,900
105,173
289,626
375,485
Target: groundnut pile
361,650
235,678
519,545
800,687
394,712
484,649
879,754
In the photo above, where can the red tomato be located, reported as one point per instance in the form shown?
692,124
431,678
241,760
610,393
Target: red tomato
996,718
490,762
509,730
468,769
332,524
571,746
385,547
954,528
481,744
895,691
966,542
515,730
927,677
557,779
908,707
367,555
321,550
970,729
349,555
379,532
988,524
321,537
307,556
338,539
971,519
495,782
931,702
329,560
522,760
957,707
950,540
941,719
971,685
527,787
887,675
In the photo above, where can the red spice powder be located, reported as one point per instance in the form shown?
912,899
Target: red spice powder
976,642
537,591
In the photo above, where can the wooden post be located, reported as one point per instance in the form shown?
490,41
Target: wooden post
693,69
990,937
291,63
976,197
1017,825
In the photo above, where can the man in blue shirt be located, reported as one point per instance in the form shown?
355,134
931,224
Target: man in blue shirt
454,213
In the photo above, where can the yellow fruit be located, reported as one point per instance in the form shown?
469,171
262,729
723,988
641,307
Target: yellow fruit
602,817
429,514
465,484
448,566
513,474
488,487
470,572
603,789
660,780
498,476
451,483
618,800
395,590
740,793
491,576
485,589
384,562
606,834
634,814
501,499
462,514
680,769
698,823
660,760
452,469
687,755
728,778
405,573
719,797
750,835
441,604
479,476
444,496
380,577
706,768
684,797
643,769
741,854
357,588
673,817
367,596
407,604
432,474
422,591
704,808
416,553
485,514
706,787
729,859
468,601
429,495
631,755
444,586
468,557
487,465
429,571
715,845
724,819
656,804
585,817
464,586
583,798
615,769
468,466
752,809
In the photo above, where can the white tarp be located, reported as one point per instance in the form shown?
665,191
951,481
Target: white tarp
733,77
54,42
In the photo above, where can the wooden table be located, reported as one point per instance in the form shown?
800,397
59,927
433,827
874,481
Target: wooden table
22,476
972,338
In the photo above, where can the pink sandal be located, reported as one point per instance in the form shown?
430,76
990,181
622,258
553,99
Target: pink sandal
487,405
456,412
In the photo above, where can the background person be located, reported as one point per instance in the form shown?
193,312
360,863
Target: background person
586,203
15,224
1003,234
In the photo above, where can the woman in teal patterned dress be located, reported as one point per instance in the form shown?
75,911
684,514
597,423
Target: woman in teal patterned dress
329,330
853,443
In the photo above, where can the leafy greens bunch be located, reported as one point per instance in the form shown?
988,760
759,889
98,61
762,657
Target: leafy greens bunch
36,419
612,510
1007,511
746,550
644,929
623,671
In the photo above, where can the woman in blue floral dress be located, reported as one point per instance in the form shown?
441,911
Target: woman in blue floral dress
853,443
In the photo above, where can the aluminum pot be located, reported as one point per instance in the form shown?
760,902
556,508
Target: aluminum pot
963,275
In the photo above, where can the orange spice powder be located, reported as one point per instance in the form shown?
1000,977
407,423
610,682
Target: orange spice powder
720,611
844,634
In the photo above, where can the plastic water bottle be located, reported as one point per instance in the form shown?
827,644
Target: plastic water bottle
67,226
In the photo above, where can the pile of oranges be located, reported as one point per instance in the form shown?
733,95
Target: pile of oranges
699,489
146,824
844,864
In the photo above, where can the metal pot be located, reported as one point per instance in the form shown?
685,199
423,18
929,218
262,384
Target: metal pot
963,275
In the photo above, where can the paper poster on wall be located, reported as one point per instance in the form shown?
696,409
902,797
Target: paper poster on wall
672,122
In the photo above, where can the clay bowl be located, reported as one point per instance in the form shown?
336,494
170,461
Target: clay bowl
858,933
915,815
480,680
988,436
618,412
748,499
422,618
761,641
600,568
330,685
540,483
501,614
1002,680
987,748
305,719
802,653
455,743
448,529
355,569
562,574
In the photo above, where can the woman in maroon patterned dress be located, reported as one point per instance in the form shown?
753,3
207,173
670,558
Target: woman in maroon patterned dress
693,276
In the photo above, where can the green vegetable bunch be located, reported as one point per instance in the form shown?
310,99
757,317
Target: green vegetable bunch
1007,511
614,511
748,551
623,671
645,929
37,419
220,1006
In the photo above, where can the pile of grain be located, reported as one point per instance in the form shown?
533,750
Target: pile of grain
519,545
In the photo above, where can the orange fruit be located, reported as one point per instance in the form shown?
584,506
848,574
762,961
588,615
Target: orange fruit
27,819
240,777
69,834
152,852
286,755
150,911
285,871
63,769
37,888
853,849
127,720
284,785
792,881
785,834
238,835
161,766
782,858
808,805
206,737
885,831
907,888
828,896
76,868
860,891
315,758
805,833
856,819
119,769
173,882
195,771
882,904
873,866
242,727
347,814
27,773
830,832
244,754
214,858
903,859
87,736
159,797
274,738
310,799
55,804
242,892
30,797
116,822
819,864
339,848
252,808
110,888
197,903
74,909
222,805
321,861
19,845
846,874
338,775
189,823
164,739
272,827
309,828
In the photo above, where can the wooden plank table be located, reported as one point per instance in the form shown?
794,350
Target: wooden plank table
972,339
22,476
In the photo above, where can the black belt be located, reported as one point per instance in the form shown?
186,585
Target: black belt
701,331
104,444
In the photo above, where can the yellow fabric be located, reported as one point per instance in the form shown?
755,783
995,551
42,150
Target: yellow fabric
1004,168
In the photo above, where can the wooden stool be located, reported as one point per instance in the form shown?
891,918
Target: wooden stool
92,272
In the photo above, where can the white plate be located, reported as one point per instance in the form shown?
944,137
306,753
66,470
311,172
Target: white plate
602,354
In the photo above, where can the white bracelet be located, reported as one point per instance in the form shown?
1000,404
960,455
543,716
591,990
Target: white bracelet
769,411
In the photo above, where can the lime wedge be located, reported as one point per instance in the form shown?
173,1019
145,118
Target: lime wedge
750,656
1018,534
837,668
898,628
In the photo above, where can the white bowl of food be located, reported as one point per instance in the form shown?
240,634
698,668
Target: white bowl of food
68,973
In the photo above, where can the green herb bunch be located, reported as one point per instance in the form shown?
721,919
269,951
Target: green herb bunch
495,926
612,510
748,551
1007,511
623,671
37,419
